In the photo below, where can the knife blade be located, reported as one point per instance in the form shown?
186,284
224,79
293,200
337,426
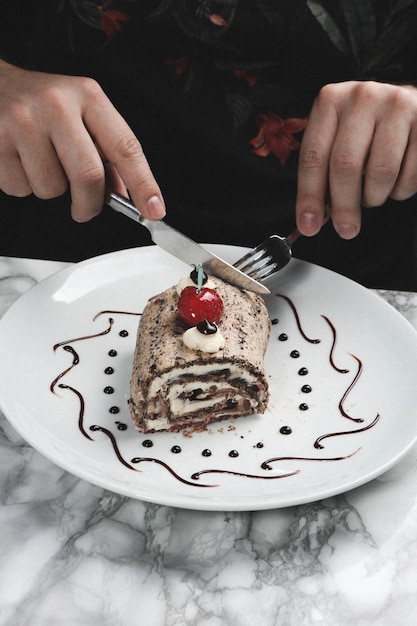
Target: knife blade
184,248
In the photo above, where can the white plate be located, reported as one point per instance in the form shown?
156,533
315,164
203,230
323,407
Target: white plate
372,341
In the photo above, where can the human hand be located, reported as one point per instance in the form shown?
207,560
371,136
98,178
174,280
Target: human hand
59,130
359,148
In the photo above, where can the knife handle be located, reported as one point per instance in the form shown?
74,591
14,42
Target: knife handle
124,205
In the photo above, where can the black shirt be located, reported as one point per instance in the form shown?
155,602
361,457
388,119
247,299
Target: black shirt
218,93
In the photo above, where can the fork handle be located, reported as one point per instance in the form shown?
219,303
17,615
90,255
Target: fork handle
293,237
296,233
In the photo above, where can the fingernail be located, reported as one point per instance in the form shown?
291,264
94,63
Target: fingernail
155,208
309,223
347,231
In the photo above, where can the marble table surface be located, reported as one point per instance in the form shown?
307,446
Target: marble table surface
74,554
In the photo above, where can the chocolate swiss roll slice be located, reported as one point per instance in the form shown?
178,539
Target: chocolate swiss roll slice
175,387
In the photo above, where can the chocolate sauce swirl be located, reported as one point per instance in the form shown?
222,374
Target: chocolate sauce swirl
196,475
111,312
75,361
318,445
348,390
144,459
104,332
81,411
267,464
332,363
297,318
109,434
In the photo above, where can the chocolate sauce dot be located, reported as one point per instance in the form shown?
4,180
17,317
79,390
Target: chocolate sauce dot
121,426
108,390
114,410
109,370
123,333
275,321
233,453
303,406
285,430
294,354
207,328
259,445
194,276
306,389
283,337
303,371
147,443
112,352
206,452
176,449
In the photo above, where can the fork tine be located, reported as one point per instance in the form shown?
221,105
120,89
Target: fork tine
250,257
266,258
257,268
254,262
268,271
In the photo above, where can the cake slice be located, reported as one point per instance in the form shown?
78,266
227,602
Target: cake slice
176,387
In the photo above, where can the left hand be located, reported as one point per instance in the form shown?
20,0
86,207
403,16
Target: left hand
359,148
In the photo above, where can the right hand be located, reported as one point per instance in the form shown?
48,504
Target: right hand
57,131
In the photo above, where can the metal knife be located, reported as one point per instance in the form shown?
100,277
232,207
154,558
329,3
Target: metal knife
184,248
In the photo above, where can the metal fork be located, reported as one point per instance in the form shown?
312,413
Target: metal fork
271,255
268,257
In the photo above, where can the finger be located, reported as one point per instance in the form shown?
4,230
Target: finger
83,167
406,183
113,180
313,166
36,155
42,168
389,145
123,150
347,162
13,180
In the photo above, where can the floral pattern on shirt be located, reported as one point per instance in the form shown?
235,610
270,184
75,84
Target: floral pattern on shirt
102,15
350,27
111,19
276,136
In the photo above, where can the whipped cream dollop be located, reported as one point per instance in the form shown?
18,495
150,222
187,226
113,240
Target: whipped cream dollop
196,340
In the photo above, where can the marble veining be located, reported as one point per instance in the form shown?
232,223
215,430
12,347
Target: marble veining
73,554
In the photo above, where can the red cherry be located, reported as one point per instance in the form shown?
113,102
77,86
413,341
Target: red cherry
196,306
